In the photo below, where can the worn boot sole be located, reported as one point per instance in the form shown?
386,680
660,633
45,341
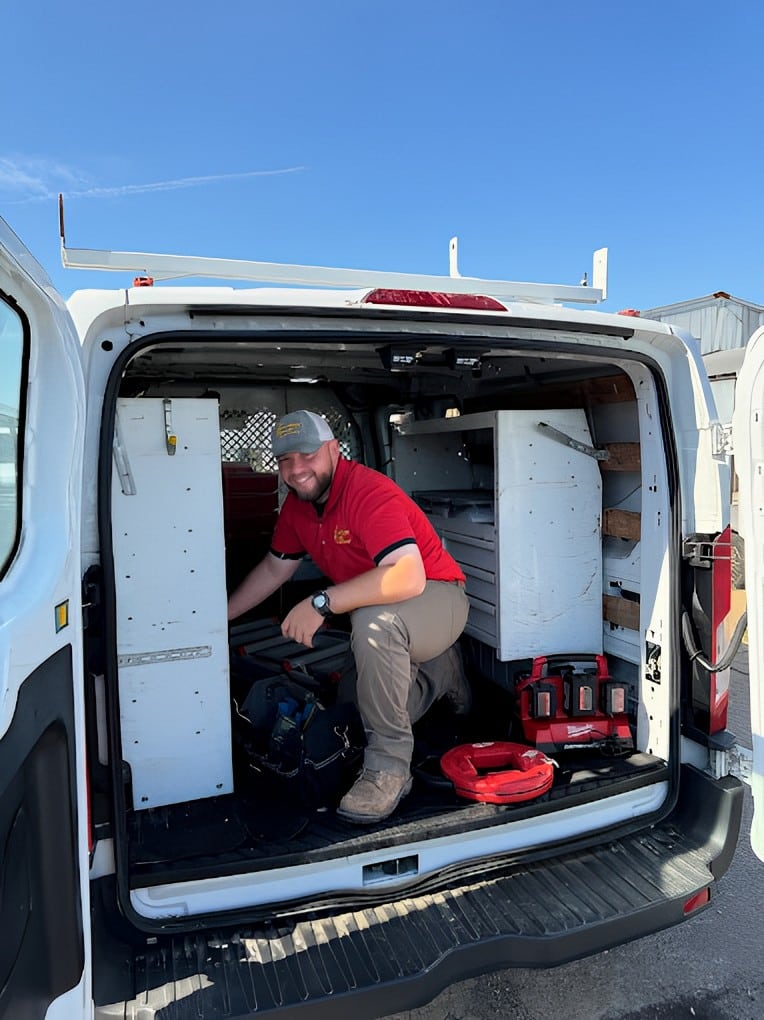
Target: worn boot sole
364,819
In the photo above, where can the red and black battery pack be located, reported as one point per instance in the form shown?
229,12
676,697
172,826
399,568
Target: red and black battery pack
570,702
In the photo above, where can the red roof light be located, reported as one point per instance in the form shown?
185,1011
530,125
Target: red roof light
433,299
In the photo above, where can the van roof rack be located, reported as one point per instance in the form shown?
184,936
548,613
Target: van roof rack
169,267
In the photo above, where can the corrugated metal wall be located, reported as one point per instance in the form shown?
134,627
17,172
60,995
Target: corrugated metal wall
721,323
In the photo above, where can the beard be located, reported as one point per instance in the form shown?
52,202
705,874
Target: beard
317,490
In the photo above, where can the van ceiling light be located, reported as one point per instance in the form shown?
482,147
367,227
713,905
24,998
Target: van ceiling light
433,299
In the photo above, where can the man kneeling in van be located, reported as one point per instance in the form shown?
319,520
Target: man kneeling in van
389,571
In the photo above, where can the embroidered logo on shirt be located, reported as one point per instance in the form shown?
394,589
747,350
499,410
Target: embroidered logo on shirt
342,536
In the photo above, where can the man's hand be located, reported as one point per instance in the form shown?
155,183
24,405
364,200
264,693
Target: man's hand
301,623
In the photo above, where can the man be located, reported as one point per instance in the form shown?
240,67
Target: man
389,571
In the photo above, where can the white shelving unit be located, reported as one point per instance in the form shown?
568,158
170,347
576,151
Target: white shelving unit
172,630
523,522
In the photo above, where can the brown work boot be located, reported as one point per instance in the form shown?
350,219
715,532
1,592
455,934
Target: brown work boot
374,796
459,696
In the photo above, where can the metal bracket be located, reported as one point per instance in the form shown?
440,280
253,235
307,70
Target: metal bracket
171,440
574,444
701,552
126,480
169,655
734,761
721,440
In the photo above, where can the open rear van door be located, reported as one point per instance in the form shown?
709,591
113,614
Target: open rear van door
44,949
748,438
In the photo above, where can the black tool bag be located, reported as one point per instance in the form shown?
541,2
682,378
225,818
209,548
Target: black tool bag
292,743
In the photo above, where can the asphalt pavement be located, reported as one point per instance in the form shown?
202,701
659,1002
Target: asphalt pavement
711,967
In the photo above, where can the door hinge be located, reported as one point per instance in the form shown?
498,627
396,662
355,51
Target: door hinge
721,440
734,761
699,551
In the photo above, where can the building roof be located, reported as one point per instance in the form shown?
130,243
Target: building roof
720,321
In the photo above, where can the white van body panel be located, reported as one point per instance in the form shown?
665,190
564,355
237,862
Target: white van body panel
748,433
46,571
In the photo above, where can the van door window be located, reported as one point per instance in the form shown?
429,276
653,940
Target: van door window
11,363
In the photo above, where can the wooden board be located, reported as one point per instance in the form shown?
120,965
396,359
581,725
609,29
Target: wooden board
622,524
621,612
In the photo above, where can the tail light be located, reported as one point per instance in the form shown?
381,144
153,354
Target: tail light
705,634
721,603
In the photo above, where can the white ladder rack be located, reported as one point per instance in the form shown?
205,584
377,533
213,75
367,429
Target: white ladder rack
168,267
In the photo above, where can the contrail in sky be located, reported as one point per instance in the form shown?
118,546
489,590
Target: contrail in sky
38,180
180,182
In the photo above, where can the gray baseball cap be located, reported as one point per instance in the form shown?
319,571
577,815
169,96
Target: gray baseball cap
299,432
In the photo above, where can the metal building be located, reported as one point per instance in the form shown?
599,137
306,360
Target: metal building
724,325
721,322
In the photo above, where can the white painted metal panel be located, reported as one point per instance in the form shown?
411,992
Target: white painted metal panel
748,426
172,631
548,533
543,545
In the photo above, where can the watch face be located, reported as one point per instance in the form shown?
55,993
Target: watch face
321,602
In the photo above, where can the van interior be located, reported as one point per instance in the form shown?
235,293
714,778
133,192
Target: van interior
525,450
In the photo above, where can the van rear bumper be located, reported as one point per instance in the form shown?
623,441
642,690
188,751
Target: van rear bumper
387,959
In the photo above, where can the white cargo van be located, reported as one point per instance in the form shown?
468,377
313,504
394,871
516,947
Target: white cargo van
567,459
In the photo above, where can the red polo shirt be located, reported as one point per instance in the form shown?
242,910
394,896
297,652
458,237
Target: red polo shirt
365,517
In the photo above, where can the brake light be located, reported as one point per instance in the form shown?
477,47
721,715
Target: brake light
721,603
433,299
143,281
630,311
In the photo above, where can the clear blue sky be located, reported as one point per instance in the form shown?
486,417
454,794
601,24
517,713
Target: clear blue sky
367,134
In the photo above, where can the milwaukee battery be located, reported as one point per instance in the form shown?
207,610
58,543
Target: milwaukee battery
572,703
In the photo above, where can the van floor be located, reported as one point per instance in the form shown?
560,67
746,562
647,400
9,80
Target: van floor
256,829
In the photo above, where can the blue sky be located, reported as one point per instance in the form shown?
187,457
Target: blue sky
366,134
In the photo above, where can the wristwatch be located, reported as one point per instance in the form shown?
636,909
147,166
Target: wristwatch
321,604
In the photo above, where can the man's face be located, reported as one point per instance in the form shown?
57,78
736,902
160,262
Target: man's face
309,475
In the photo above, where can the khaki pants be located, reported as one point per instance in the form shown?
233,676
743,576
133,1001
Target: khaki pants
405,660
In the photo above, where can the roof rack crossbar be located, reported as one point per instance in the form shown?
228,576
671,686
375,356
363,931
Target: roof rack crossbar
166,267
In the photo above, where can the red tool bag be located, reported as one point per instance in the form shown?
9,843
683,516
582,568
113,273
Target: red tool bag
522,772
570,702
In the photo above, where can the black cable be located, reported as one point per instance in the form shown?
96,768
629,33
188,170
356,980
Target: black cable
697,656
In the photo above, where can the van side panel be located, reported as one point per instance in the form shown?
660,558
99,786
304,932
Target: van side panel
41,945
